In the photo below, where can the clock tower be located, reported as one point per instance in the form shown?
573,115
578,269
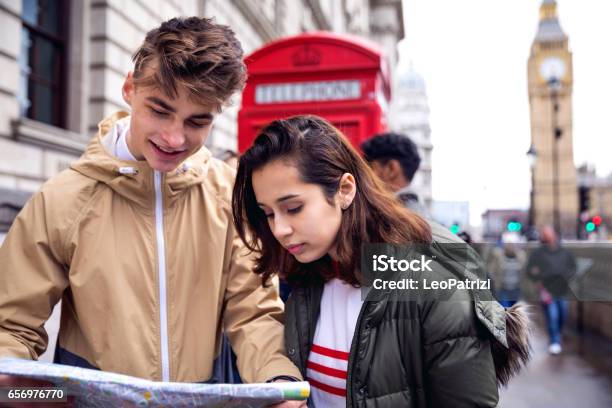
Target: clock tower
550,80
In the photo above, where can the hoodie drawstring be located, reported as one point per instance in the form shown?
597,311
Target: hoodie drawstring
128,170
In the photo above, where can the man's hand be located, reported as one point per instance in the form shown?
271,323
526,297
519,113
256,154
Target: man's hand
545,296
14,382
11,381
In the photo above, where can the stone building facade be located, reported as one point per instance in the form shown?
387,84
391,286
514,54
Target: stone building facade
410,116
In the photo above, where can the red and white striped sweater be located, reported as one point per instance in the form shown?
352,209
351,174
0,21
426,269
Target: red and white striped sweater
328,359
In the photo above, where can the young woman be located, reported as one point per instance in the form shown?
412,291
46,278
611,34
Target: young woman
305,202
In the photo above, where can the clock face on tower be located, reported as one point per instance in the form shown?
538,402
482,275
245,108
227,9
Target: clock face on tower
552,68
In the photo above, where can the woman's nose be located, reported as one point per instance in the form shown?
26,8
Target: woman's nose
281,228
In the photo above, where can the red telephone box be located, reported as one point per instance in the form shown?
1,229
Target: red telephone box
340,78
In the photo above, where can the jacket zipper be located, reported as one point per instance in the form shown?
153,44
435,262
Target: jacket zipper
161,268
353,350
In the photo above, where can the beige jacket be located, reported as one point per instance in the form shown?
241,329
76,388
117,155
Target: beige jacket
148,275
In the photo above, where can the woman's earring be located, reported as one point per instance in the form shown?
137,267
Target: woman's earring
344,206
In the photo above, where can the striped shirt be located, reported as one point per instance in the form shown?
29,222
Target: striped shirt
329,355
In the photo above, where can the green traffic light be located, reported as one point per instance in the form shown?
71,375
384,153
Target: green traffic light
514,226
454,229
590,226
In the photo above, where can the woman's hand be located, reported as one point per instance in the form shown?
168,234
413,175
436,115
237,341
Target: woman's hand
289,404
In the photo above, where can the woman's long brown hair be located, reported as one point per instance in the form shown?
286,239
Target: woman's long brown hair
322,154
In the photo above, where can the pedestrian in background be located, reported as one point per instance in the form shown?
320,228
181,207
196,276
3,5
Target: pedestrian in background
506,269
305,202
551,267
395,159
466,237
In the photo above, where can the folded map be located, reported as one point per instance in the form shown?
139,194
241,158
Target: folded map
93,388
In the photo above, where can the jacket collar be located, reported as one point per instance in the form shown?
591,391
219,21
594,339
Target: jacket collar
134,179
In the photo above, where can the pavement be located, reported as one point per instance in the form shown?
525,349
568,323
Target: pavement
581,376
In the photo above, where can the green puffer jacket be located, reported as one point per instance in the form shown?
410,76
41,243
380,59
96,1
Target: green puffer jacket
421,353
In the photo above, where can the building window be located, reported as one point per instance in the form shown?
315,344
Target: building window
42,61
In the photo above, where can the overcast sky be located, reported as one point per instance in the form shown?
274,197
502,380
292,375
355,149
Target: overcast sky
473,56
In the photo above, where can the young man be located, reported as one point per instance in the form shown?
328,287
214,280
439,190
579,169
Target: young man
137,238
395,160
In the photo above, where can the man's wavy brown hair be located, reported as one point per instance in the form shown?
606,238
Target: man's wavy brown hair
322,154
194,52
